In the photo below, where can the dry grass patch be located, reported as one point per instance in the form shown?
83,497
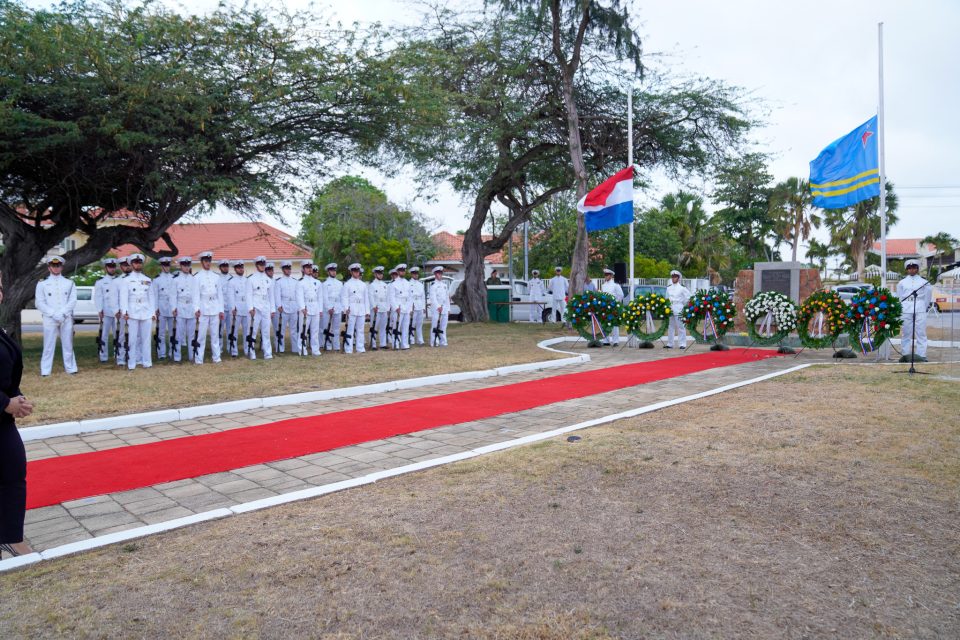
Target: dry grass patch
806,506
105,389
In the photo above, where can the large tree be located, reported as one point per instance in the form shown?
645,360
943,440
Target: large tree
350,220
106,106
944,243
790,209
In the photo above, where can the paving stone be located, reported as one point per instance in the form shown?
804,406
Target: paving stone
252,494
62,523
136,495
172,485
286,465
105,521
164,515
44,514
179,493
97,509
234,486
205,501
150,505
217,478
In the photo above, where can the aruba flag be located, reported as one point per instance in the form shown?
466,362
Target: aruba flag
610,203
848,170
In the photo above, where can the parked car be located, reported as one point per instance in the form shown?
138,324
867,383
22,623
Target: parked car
848,291
453,285
644,289
945,299
85,309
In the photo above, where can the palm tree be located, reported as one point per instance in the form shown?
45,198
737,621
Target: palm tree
943,242
789,205
703,244
856,228
818,252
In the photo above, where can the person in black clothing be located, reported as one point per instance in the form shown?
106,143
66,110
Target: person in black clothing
13,458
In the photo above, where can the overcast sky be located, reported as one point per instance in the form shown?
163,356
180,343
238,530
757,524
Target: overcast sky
814,63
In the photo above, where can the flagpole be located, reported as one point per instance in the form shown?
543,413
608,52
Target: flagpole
630,164
883,176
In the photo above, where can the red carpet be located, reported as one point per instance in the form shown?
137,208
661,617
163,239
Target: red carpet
55,480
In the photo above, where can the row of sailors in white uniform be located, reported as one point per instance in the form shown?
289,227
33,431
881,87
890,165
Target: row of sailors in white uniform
239,309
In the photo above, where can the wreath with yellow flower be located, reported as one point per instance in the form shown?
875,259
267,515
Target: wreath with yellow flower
822,318
594,314
715,309
647,317
874,317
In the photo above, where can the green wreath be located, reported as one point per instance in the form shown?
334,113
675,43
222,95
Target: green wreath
715,308
782,312
874,317
594,314
833,311
635,316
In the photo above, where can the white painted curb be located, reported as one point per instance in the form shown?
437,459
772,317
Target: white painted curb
45,431
313,492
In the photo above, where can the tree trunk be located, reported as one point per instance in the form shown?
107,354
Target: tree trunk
473,300
796,236
578,267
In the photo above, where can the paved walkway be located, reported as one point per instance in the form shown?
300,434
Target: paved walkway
77,520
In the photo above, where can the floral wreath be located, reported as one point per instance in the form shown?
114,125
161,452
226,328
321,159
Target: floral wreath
593,314
715,309
828,311
874,317
775,309
641,315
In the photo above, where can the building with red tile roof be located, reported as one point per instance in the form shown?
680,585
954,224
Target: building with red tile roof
230,240
450,255
905,248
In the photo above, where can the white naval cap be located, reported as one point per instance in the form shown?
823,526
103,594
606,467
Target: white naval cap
134,257
378,268
414,269
675,273
401,267
223,261
393,271
606,271
333,265
238,263
124,260
110,261
912,262
558,269
269,265
536,272
306,263
165,260
284,264
206,255
355,265
259,259
438,269
52,259
185,260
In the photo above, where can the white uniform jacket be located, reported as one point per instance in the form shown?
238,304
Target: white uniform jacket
907,286
136,297
354,298
286,294
377,294
236,295
185,299
106,295
260,293
439,296
331,295
678,295
309,295
613,289
401,295
165,293
208,293
56,297
418,295
559,287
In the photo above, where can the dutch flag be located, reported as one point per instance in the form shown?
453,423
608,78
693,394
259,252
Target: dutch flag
610,204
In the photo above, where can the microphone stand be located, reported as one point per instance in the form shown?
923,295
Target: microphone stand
913,332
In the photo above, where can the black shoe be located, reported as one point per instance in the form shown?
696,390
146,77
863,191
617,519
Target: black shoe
666,346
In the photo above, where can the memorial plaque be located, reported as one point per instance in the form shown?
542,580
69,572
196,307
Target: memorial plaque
778,280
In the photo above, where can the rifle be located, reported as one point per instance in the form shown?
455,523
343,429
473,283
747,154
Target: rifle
396,332
327,334
156,338
116,339
196,339
100,337
232,337
437,332
345,337
279,332
251,341
126,341
173,339
303,336
412,332
373,331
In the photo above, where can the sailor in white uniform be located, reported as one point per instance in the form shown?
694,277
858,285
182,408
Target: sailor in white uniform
183,312
207,308
165,294
138,307
559,287
238,309
402,304
262,309
332,309
286,295
106,300
310,303
377,294
418,294
55,297
614,289
914,312
538,295
439,308
355,301
226,277
678,295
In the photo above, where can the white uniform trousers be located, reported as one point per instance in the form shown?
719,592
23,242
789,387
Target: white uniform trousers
186,325
291,326
225,332
121,347
241,329
273,325
559,305
312,323
52,329
211,325
164,328
439,320
906,344
613,338
536,312
140,338
418,325
676,329
381,337
355,334
261,325
108,330
330,323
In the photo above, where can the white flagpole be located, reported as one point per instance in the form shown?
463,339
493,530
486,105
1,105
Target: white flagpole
630,164
883,175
